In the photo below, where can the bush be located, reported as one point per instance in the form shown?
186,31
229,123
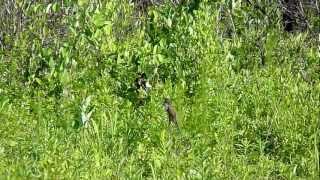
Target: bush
246,92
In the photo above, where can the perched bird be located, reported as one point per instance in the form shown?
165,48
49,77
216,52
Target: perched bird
142,82
172,115
141,89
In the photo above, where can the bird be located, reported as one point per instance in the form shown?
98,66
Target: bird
172,115
141,89
142,82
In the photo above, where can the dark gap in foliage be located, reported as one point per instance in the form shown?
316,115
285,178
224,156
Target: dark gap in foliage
295,14
142,6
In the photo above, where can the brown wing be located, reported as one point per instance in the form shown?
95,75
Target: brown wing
172,115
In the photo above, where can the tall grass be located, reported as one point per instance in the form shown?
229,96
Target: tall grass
246,94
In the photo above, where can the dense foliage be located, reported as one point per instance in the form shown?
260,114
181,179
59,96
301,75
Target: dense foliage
245,90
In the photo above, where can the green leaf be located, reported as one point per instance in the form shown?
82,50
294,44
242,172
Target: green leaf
169,22
99,19
48,8
82,3
13,143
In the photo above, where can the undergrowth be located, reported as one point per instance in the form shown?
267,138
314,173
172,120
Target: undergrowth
246,93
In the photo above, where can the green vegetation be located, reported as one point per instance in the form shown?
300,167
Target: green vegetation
246,92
